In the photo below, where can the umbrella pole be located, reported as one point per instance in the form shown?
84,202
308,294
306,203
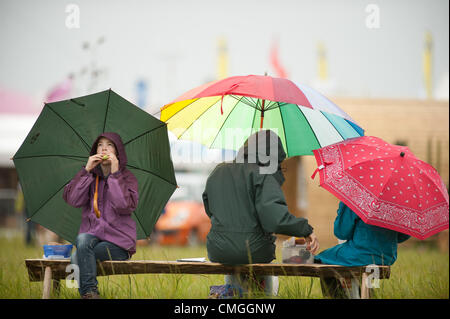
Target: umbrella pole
262,114
262,110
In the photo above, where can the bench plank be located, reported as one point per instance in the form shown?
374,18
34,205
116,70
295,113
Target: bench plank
36,269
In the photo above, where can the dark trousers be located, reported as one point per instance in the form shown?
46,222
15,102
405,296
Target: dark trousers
90,249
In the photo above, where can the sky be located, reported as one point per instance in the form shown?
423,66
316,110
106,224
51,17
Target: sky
172,45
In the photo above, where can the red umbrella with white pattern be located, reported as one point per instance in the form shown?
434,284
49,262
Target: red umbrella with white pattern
385,185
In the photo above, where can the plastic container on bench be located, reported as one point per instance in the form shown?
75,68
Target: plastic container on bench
57,251
294,252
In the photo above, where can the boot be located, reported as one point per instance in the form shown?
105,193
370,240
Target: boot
91,295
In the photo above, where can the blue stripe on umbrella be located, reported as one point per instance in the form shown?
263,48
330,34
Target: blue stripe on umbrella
342,125
356,127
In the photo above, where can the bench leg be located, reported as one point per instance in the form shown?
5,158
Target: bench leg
46,292
56,286
365,291
354,293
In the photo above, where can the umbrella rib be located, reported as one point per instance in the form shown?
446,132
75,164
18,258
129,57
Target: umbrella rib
253,120
147,171
218,132
106,113
271,105
142,226
52,155
155,128
275,104
284,130
258,103
49,199
85,144
244,99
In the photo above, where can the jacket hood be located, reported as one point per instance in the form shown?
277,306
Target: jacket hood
269,158
121,154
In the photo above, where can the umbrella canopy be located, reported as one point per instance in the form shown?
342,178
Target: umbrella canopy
59,143
223,114
385,185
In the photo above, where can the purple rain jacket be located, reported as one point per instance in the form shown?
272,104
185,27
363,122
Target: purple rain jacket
117,199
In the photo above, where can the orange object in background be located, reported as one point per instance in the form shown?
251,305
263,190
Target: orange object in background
183,222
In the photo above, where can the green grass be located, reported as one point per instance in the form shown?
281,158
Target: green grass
418,273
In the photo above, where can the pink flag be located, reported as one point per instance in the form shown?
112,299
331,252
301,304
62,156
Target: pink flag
274,61
13,102
61,91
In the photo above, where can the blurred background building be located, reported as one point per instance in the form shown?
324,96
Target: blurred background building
384,62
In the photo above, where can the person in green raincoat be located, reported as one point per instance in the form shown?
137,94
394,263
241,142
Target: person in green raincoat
246,205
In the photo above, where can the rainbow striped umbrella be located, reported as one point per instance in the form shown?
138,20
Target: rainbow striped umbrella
224,113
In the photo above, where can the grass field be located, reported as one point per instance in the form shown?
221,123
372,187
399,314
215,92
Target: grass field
420,272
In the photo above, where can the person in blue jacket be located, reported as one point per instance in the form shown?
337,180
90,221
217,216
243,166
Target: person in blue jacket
364,245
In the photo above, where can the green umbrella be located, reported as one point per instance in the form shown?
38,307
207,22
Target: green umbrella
58,146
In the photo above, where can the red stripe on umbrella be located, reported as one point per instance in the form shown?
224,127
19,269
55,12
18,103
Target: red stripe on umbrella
257,86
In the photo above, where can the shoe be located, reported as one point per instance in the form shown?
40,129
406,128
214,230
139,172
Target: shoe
91,295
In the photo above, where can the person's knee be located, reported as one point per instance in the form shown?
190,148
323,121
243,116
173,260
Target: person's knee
107,251
84,241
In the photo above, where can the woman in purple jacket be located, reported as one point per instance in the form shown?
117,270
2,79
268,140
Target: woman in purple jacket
108,194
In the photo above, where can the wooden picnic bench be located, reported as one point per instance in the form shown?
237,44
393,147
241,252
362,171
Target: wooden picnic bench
52,271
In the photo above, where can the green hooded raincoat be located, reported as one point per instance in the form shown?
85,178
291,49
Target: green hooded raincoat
246,205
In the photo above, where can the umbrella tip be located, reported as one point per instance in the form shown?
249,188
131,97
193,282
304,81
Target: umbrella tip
402,154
